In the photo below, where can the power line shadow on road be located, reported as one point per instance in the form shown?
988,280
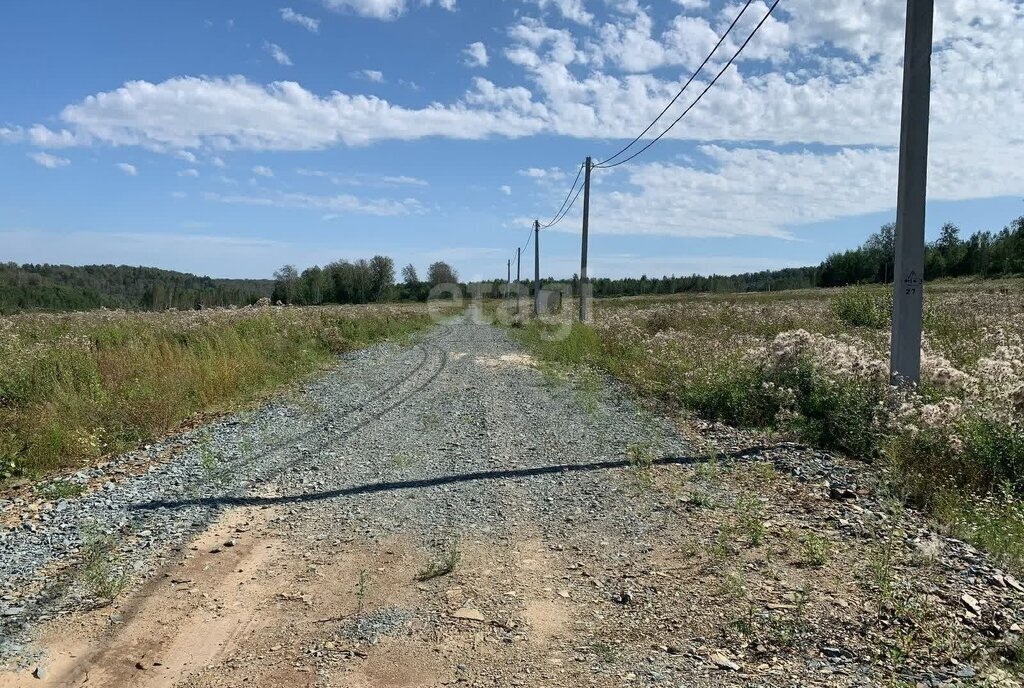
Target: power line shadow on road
391,486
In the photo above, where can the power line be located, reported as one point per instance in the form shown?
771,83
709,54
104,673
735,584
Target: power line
571,189
562,216
683,89
702,93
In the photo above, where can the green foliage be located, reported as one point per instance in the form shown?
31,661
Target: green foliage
67,288
863,307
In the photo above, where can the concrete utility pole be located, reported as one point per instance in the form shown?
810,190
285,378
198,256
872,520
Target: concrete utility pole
536,268
508,283
908,277
519,277
584,281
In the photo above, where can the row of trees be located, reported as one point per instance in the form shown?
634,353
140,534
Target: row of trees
68,288
983,254
360,281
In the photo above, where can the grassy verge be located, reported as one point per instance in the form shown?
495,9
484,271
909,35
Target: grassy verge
954,446
78,386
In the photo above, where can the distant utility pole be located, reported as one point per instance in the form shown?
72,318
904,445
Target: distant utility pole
508,283
908,277
536,268
584,282
519,277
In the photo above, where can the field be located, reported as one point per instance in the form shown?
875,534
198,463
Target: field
813,366
75,387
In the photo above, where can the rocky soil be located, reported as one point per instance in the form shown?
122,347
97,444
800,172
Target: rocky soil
447,514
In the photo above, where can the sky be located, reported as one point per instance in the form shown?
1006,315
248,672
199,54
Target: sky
229,138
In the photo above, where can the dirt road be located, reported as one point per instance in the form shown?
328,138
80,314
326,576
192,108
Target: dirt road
446,514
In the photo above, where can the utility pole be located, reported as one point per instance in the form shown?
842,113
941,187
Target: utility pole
908,277
536,268
519,277
508,283
584,282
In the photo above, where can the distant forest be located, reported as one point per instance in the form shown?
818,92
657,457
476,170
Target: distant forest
62,287
72,288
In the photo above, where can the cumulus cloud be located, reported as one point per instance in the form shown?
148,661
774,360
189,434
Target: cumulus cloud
278,53
308,23
48,160
570,9
506,189
387,10
191,172
128,169
263,171
476,55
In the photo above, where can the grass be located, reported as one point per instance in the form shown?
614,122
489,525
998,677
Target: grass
812,365
441,566
61,489
75,387
98,573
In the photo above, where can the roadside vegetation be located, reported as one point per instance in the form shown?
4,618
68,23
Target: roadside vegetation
75,387
813,365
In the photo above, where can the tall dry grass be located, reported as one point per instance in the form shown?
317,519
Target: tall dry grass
814,364
77,386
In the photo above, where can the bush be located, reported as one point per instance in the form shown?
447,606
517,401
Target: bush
863,307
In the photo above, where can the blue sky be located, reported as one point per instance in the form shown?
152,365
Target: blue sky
229,138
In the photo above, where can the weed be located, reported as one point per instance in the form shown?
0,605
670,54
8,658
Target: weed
441,567
814,550
733,586
362,587
61,489
750,516
98,573
605,653
641,457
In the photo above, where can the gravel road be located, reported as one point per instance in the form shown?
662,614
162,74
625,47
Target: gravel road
589,541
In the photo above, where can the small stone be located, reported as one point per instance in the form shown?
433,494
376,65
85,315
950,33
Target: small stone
140,666
625,597
966,672
723,662
971,603
231,543
469,615
40,673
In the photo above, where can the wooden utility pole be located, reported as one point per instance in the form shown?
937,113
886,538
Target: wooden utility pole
908,277
536,268
508,283
584,281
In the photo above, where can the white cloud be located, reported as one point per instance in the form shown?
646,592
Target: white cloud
337,203
404,180
229,114
374,75
186,156
386,10
128,169
50,161
216,161
278,53
570,9
308,23
191,172
506,189
263,171
476,55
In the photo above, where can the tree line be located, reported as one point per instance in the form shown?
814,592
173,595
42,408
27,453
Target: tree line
69,288
360,281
